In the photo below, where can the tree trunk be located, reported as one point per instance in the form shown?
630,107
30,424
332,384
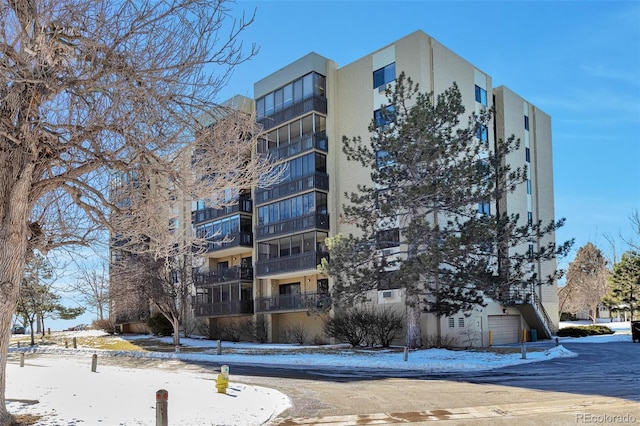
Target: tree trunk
176,333
413,339
32,333
13,247
15,211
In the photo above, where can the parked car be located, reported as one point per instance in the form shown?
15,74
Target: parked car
18,329
79,327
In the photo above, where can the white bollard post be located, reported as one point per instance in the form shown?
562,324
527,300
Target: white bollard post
219,349
94,363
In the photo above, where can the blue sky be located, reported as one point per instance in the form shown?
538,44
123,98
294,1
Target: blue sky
577,61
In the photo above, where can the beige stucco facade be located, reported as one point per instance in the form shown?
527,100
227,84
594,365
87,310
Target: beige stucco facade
283,252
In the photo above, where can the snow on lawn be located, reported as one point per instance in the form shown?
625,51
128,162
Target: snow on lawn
622,332
59,384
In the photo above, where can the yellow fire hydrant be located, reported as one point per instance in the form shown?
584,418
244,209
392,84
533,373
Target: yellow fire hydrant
223,379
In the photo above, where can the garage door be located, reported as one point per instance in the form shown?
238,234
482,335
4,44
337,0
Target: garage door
505,329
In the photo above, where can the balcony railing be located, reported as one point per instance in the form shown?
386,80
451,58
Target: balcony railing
298,262
241,239
314,103
312,221
317,180
300,145
244,205
293,302
203,308
234,273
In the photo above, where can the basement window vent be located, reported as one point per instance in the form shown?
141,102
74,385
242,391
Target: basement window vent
386,294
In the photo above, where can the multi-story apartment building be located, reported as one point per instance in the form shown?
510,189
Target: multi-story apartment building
269,269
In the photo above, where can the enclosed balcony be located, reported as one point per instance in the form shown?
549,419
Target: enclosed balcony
308,222
313,103
293,302
293,263
240,239
243,205
226,292
234,273
203,307
299,145
316,180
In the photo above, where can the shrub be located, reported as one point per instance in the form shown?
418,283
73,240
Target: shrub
195,326
232,331
159,324
445,342
582,331
296,333
386,325
108,325
344,328
364,326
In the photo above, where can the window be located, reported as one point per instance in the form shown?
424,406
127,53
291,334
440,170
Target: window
461,322
388,238
452,323
384,75
383,159
481,95
482,133
302,88
529,218
530,251
484,208
527,155
288,95
526,122
323,285
384,116
529,186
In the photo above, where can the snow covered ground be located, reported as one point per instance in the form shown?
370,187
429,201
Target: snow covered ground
61,386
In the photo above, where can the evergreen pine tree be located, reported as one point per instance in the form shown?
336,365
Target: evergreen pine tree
430,173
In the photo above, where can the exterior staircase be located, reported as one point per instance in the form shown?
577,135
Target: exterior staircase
533,312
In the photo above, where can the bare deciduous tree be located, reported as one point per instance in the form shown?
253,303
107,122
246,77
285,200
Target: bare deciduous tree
89,89
92,288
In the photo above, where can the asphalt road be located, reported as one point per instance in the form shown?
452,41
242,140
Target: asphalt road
599,386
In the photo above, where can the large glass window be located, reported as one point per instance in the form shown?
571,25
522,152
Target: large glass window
388,238
260,107
482,133
268,104
307,86
384,75
484,208
288,95
299,206
279,99
296,91
481,95
384,116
